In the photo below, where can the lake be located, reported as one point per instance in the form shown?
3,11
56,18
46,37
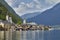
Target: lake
30,35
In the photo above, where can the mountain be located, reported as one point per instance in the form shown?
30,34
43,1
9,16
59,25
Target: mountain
29,15
4,8
48,17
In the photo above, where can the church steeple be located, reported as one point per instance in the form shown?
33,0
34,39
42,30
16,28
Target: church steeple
7,17
24,21
10,19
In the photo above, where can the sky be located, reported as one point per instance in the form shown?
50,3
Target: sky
22,7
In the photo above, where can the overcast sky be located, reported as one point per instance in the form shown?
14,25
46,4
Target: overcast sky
22,7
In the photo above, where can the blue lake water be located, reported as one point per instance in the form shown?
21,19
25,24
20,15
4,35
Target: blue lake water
52,35
33,35
40,35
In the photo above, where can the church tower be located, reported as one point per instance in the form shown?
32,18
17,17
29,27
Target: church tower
7,17
10,19
24,21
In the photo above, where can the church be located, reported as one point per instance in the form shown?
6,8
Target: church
6,23
31,23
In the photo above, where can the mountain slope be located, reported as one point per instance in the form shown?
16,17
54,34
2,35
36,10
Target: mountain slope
29,15
4,8
48,17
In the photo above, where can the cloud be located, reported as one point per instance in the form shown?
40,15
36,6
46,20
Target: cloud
52,1
30,5
9,2
20,9
24,6
36,1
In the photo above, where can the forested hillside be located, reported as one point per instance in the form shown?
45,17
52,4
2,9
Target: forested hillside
3,12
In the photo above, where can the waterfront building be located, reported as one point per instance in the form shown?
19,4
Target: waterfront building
7,23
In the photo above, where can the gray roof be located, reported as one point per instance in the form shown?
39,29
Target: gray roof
5,22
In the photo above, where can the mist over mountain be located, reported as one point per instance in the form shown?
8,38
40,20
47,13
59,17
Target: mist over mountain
30,15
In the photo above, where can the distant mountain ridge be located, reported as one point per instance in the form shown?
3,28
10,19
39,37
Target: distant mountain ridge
48,17
29,15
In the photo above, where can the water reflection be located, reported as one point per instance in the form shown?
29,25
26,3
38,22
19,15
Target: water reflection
1,35
30,35
22,35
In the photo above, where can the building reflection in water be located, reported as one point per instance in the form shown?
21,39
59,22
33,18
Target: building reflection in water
22,35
